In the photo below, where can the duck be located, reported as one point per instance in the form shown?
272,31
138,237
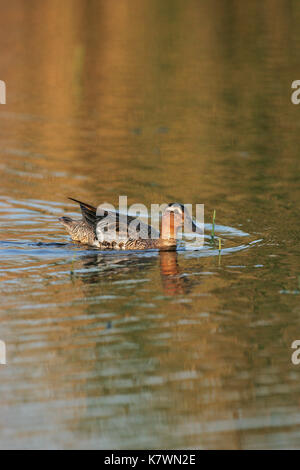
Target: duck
108,231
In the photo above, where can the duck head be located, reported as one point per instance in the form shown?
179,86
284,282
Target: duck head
174,217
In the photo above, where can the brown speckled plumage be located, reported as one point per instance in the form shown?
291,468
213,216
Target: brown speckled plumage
79,231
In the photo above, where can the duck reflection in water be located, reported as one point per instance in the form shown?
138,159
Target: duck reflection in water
173,282
98,268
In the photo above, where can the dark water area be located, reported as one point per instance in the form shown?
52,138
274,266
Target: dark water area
185,101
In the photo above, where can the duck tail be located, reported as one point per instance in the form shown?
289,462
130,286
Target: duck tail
66,221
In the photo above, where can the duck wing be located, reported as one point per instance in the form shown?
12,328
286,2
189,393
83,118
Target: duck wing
89,212
110,223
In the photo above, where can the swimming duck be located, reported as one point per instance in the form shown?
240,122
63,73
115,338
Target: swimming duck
100,230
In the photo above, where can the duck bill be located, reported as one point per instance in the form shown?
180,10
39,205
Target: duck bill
196,228
191,227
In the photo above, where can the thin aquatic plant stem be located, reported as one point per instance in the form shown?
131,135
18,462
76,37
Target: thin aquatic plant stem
213,226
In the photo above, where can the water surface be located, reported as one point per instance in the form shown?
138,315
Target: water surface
160,101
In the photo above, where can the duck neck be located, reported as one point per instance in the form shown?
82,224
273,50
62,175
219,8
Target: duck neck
168,231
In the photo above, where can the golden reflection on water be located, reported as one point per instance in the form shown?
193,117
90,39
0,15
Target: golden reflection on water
160,101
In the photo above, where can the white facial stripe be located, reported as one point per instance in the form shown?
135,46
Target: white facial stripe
174,209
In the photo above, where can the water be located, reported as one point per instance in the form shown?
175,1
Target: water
160,101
